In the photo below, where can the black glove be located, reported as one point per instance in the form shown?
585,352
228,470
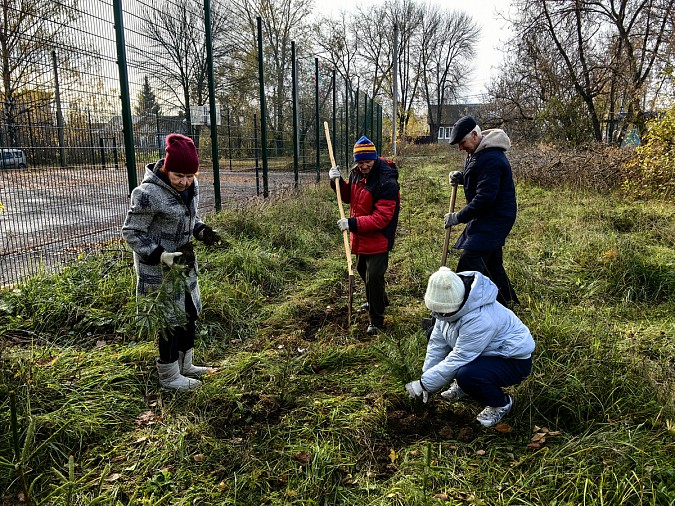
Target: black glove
209,236
188,257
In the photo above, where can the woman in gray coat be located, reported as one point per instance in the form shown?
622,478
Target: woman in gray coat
476,342
159,226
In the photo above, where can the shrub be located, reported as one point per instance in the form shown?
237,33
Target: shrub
652,172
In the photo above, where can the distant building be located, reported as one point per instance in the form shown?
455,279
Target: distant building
484,114
449,114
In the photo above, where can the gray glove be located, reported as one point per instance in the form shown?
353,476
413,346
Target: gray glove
334,172
451,220
170,259
343,224
456,178
416,390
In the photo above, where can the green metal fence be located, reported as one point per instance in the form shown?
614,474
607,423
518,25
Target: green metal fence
93,88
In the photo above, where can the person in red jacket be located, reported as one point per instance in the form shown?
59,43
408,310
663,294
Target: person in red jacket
372,193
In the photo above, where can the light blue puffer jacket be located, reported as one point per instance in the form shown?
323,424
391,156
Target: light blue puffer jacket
482,326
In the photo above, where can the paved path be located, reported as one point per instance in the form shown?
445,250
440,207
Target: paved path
53,215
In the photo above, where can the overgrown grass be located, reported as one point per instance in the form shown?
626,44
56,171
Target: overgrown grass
305,410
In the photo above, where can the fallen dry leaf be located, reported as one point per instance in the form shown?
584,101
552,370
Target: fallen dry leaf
303,458
119,458
503,428
145,418
47,362
534,445
442,497
200,457
539,437
113,477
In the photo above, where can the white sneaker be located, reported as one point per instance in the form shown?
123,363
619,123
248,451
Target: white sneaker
454,393
491,416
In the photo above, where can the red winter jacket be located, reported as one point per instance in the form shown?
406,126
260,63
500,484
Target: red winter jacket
374,203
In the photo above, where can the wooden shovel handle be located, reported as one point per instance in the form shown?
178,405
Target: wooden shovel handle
345,233
446,244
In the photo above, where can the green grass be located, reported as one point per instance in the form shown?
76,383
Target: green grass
306,411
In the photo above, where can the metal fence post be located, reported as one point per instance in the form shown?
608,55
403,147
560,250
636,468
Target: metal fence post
357,132
317,119
296,129
263,110
59,113
334,134
212,104
127,123
348,97
255,149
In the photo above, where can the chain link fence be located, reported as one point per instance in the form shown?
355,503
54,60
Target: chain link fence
92,89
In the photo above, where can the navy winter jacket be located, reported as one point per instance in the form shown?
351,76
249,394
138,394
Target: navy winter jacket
490,211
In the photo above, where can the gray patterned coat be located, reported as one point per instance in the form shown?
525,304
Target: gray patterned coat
159,220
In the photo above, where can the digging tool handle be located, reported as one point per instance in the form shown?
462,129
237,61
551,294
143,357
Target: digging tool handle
345,233
446,244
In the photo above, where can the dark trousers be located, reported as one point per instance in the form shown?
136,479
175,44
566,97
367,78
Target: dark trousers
484,378
180,338
372,268
491,264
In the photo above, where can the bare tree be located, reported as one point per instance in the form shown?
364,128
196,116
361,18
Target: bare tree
602,55
30,29
336,42
177,54
284,21
640,30
448,42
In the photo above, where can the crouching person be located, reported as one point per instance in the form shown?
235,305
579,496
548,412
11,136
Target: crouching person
161,221
477,345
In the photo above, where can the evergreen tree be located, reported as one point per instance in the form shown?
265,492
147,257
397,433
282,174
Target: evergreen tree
146,102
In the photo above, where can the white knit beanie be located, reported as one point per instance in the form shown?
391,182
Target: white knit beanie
445,291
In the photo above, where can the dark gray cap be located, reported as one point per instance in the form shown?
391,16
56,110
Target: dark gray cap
462,127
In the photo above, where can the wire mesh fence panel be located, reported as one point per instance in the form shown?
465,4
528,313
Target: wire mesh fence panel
93,88
59,109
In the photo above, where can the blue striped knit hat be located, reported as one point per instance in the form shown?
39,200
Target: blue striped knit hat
364,149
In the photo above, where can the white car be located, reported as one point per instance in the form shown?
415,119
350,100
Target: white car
12,159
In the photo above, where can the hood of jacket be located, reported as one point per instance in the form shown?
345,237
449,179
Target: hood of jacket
494,138
482,292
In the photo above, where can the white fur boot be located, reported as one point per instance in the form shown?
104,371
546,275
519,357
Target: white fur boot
170,377
187,368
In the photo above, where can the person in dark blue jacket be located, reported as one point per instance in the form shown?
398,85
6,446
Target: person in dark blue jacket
490,210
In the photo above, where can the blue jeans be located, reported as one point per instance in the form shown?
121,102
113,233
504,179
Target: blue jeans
484,378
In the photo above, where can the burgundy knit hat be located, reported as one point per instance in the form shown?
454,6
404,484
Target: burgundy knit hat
181,155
